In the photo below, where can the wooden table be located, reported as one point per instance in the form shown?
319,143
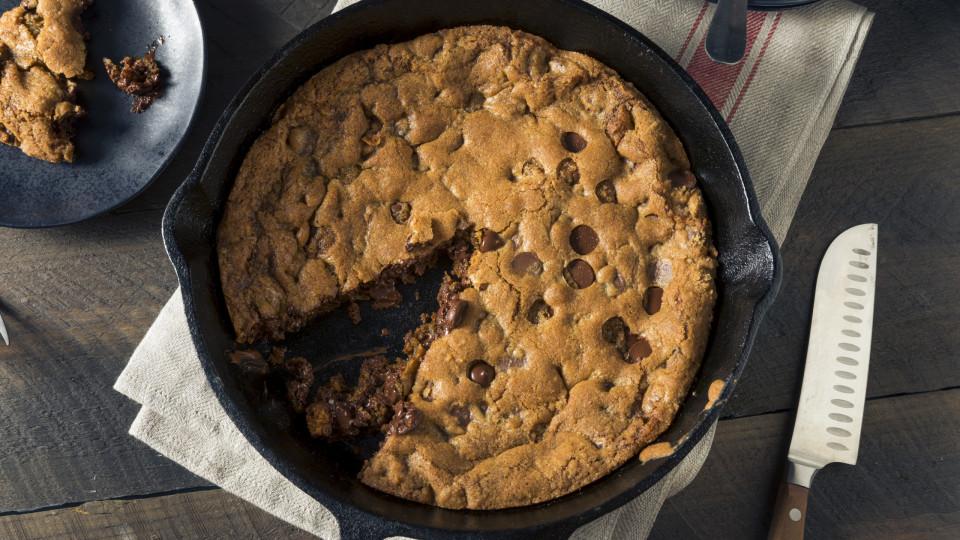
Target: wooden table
78,299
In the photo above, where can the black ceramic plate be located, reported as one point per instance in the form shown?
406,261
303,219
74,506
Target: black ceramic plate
118,153
747,281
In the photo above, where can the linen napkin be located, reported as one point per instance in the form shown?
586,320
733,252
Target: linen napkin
780,102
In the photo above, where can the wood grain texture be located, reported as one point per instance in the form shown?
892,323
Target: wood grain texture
906,483
200,514
903,177
909,66
76,301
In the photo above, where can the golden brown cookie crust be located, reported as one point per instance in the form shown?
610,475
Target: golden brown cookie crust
592,343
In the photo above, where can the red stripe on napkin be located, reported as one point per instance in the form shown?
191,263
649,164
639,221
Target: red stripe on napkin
753,71
693,30
717,79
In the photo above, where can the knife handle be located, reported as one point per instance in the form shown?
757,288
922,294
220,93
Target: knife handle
789,513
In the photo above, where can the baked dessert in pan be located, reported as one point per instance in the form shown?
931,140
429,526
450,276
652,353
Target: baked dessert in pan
581,287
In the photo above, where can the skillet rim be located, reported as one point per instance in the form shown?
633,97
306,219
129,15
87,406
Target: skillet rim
355,521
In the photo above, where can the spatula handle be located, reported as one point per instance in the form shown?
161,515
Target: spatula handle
789,513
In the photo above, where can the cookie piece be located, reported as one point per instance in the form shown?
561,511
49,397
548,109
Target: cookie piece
138,76
42,50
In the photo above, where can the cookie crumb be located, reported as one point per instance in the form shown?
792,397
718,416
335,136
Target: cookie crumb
138,76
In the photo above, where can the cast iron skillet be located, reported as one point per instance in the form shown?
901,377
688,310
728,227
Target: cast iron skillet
748,279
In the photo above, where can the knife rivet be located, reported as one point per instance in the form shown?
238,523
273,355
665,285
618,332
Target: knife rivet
795,514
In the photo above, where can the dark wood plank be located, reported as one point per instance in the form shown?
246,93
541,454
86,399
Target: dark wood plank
906,483
910,64
76,301
902,176
202,514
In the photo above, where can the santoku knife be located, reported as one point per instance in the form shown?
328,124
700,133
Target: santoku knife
830,414
3,332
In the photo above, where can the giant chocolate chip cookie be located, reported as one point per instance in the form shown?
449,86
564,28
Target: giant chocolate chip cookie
583,280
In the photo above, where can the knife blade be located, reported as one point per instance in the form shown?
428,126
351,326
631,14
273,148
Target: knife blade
830,412
3,332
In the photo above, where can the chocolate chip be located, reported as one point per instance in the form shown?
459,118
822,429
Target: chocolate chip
481,373
583,239
406,419
301,140
614,331
245,357
344,418
461,413
619,282
606,192
527,262
539,312
681,179
568,172
652,300
489,241
390,392
400,211
384,295
661,272
511,362
452,313
579,274
573,142
639,350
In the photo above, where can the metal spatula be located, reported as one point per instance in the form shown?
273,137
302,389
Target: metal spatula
727,34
